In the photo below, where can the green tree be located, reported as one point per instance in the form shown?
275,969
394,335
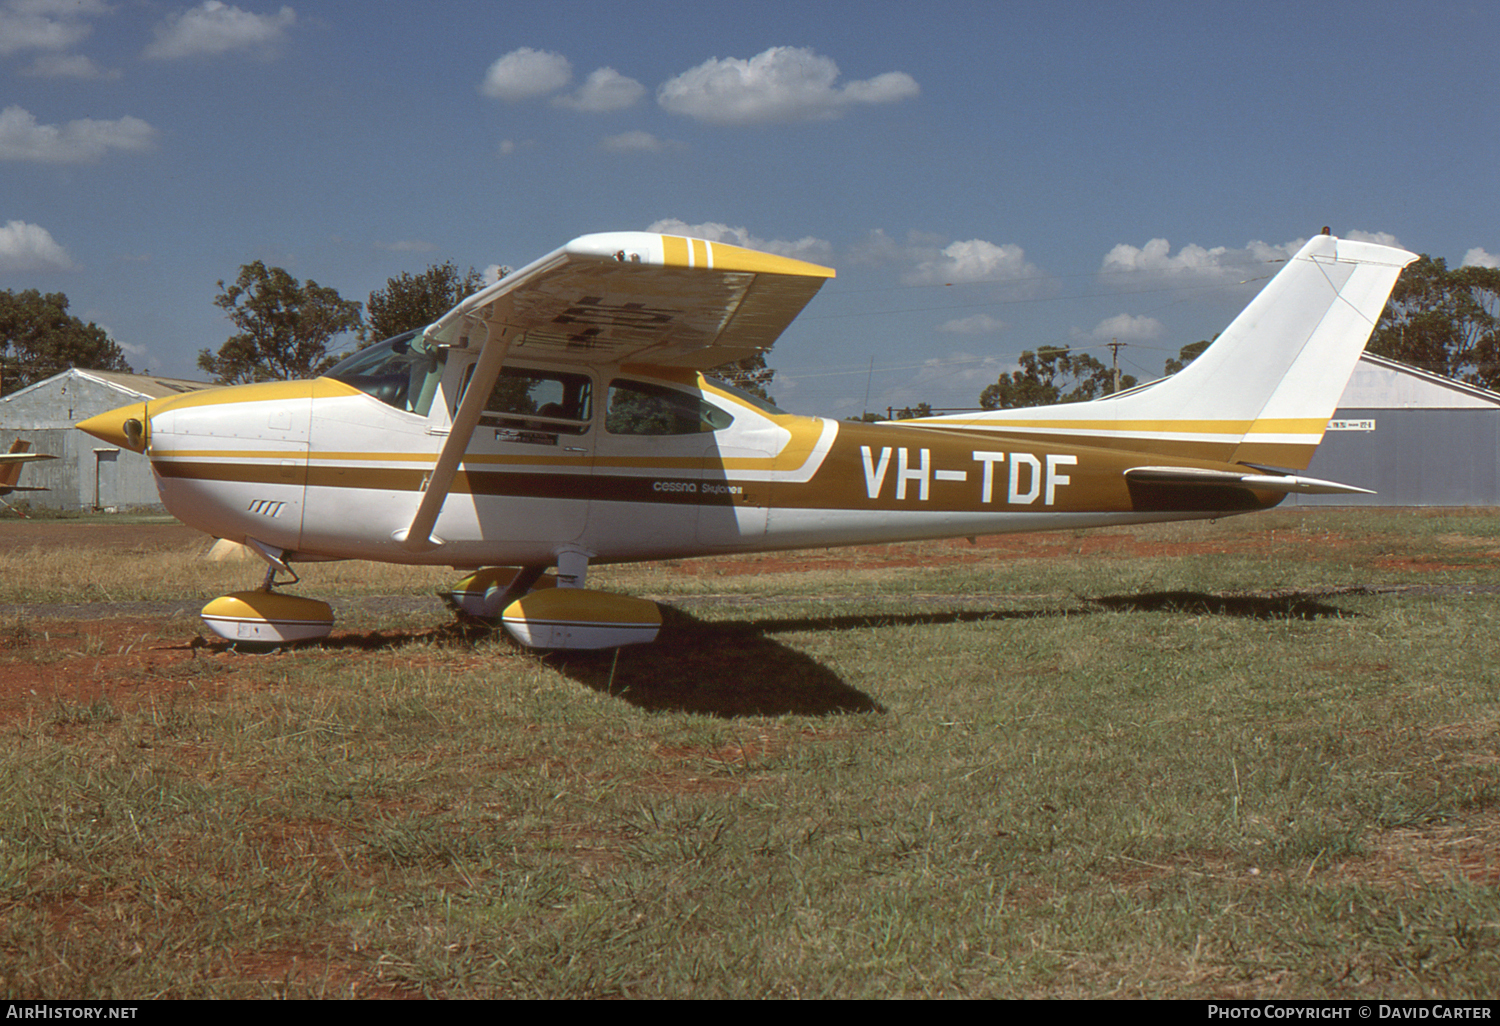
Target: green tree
411,301
1446,322
39,338
913,412
1186,355
1045,374
285,327
750,374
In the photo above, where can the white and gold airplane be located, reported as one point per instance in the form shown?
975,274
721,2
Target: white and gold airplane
562,417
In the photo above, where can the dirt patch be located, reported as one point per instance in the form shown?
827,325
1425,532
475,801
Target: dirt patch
76,665
1417,857
70,671
139,536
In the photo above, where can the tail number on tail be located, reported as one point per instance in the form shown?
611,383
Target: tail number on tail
1025,477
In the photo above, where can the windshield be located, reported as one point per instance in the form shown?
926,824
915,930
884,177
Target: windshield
402,372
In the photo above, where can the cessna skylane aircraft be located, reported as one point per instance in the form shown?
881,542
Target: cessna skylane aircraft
562,417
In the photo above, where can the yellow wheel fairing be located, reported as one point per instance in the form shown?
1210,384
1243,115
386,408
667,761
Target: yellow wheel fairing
575,618
268,617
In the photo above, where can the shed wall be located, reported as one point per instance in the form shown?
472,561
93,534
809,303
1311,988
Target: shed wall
44,416
1413,457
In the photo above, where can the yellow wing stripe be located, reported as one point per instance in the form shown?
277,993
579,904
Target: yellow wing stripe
675,251
681,252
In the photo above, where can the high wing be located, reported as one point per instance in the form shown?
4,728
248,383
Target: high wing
637,297
611,298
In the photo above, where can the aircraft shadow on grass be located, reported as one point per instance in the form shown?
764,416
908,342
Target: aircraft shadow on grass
1281,606
733,668
737,668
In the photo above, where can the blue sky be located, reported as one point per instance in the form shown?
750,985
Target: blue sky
986,177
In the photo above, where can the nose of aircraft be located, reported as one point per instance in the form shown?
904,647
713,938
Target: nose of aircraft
125,427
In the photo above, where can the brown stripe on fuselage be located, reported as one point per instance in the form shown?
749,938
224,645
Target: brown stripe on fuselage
851,478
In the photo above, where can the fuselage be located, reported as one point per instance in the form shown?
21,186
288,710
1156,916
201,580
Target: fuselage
621,463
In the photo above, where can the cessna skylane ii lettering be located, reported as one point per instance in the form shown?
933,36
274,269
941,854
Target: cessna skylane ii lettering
562,417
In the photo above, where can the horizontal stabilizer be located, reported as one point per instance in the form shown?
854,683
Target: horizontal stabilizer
1289,483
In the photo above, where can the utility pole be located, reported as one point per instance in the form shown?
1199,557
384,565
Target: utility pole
1114,350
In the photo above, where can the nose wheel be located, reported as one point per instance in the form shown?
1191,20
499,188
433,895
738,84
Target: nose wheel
265,616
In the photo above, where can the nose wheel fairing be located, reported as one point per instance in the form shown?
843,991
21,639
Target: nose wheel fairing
268,618
265,616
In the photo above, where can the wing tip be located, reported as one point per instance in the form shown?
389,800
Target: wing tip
686,251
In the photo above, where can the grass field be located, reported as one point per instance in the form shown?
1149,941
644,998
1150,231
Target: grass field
1249,758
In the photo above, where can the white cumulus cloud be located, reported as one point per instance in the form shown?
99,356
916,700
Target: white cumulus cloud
929,259
1381,238
817,251
525,73
58,65
784,83
1127,328
45,24
603,91
30,247
215,27
77,142
1477,257
1194,263
972,260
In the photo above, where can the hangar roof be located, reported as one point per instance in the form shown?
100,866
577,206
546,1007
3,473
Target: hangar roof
1381,384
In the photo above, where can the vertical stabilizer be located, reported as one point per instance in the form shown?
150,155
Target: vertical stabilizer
1264,391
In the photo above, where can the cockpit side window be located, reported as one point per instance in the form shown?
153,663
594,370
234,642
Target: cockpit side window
639,408
401,372
554,401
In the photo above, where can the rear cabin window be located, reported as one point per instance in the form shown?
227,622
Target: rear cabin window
638,408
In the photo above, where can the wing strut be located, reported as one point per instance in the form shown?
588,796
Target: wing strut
418,537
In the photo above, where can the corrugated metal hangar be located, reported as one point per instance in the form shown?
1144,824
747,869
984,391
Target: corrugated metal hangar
1416,438
85,475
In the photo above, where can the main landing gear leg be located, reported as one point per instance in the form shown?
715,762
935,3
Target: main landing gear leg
524,580
484,594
